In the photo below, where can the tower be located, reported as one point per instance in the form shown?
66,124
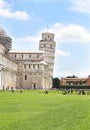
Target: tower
47,44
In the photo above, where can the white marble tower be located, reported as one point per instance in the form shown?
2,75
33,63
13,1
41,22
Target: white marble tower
47,44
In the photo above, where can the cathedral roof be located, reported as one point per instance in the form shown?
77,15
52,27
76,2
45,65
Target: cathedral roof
2,32
26,51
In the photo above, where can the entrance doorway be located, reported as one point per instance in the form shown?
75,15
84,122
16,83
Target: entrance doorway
34,86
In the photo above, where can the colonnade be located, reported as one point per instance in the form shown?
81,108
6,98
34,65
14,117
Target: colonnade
7,78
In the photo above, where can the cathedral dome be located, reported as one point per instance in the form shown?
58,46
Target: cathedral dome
2,32
5,40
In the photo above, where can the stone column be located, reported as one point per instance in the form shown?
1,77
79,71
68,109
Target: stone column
43,82
3,78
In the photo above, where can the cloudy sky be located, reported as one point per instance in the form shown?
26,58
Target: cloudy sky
69,20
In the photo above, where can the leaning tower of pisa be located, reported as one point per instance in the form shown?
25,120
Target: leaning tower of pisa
47,44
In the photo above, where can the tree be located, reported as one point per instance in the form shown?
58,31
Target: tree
56,83
72,76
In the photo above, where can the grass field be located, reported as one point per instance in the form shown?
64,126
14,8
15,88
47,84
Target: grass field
33,110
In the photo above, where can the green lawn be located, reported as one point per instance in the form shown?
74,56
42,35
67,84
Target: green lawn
33,110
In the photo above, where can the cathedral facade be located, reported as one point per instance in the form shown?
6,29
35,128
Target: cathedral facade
27,69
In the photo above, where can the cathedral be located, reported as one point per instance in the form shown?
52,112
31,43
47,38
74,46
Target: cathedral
27,69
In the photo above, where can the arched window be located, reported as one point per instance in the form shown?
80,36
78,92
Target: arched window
24,66
38,66
37,56
33,66
22,55
29,66
44,45
25,77
50,45
15,56
29,56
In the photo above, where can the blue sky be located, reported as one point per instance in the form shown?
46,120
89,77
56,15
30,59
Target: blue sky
69,20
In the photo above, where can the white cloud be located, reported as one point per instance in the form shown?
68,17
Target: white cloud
70,33
5,11
82,6
26,42
63,53
43,1
63,73
29,39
